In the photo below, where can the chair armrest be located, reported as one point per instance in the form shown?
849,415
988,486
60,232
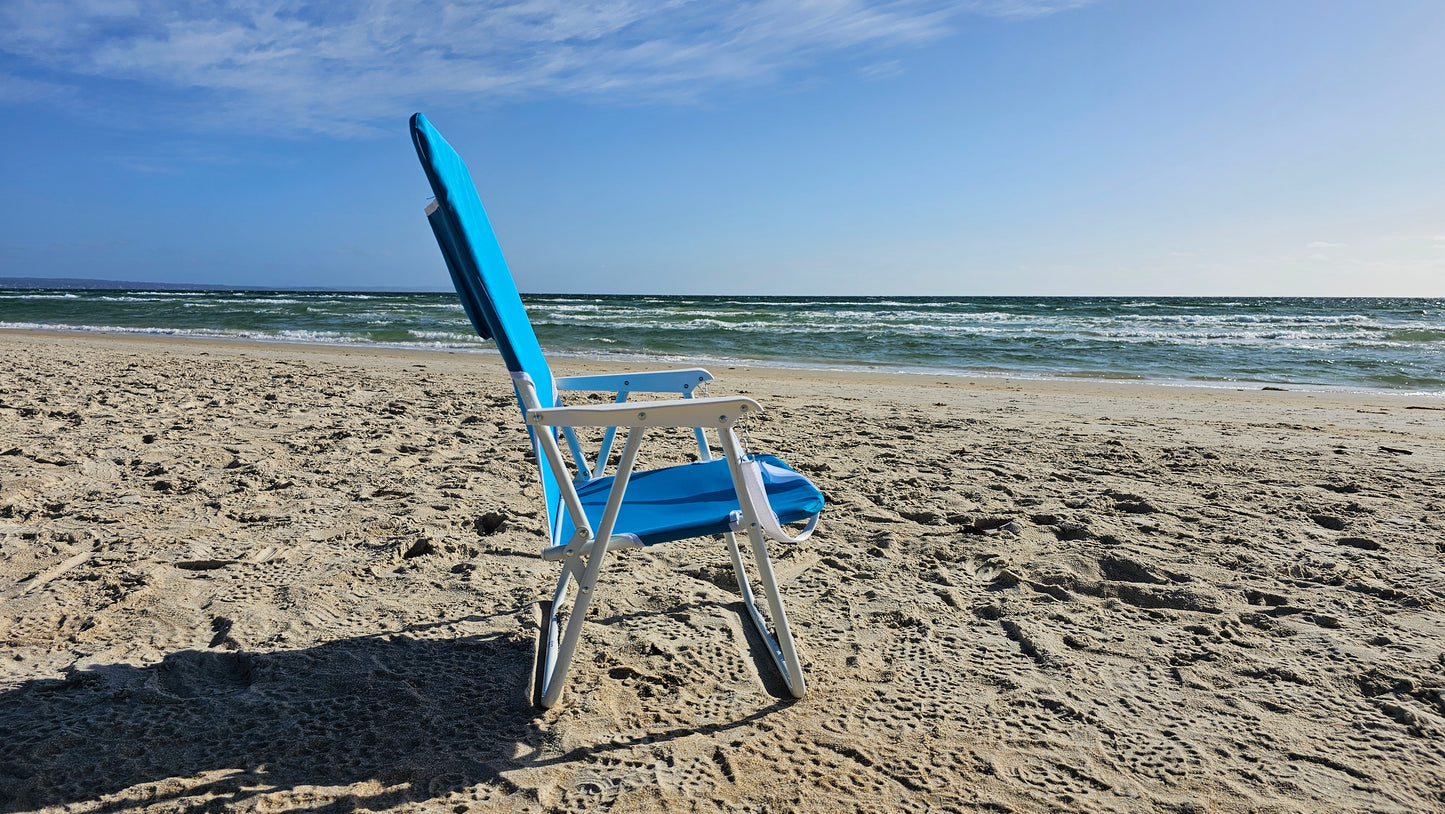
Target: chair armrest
647,381
720,411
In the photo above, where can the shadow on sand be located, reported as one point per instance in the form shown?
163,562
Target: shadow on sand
410,718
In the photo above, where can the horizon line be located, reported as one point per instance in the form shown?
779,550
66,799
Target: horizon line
105,284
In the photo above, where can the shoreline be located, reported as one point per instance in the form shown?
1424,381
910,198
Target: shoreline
631,361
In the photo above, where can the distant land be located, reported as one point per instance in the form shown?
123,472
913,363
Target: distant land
86,283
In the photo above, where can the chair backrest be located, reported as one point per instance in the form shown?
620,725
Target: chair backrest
483,282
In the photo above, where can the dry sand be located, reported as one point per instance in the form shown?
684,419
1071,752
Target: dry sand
266,577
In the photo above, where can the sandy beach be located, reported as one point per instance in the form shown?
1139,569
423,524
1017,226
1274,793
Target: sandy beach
276,577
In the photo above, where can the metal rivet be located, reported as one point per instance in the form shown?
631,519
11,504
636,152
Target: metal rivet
625,382
722,418
642,415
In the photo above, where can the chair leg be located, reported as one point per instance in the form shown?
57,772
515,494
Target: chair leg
781,648
559,654
785,655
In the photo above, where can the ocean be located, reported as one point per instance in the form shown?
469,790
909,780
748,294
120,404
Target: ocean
1352,343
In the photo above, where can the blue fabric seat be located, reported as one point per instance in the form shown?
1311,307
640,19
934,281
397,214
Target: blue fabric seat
694,500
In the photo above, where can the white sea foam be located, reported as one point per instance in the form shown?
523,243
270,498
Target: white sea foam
446,336
1350,341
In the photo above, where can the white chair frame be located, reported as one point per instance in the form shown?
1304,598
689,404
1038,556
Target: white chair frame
582,556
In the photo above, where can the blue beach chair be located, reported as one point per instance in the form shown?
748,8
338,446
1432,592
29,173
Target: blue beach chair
590,513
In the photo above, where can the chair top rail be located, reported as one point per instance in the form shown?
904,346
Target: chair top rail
644,381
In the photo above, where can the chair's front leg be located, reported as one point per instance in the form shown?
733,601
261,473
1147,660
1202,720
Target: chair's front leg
782,648
556,667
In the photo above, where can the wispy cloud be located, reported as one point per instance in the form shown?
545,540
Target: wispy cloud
882,70
18,90
1022,8
337,67
1320,244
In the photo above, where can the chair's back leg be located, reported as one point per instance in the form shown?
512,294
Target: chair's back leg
584,470
606,448
570,569
703,452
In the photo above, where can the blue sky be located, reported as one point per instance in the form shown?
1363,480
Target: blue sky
1130,147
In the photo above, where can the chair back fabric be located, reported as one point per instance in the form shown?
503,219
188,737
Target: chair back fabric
482,280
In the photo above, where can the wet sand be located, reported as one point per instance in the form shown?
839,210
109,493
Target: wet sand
281,577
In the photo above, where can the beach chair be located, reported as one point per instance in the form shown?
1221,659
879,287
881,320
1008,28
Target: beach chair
590,513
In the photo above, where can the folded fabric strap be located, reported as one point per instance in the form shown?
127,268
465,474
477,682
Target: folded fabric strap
767,518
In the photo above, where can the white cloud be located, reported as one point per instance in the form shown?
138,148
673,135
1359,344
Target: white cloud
1320,244
337,68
